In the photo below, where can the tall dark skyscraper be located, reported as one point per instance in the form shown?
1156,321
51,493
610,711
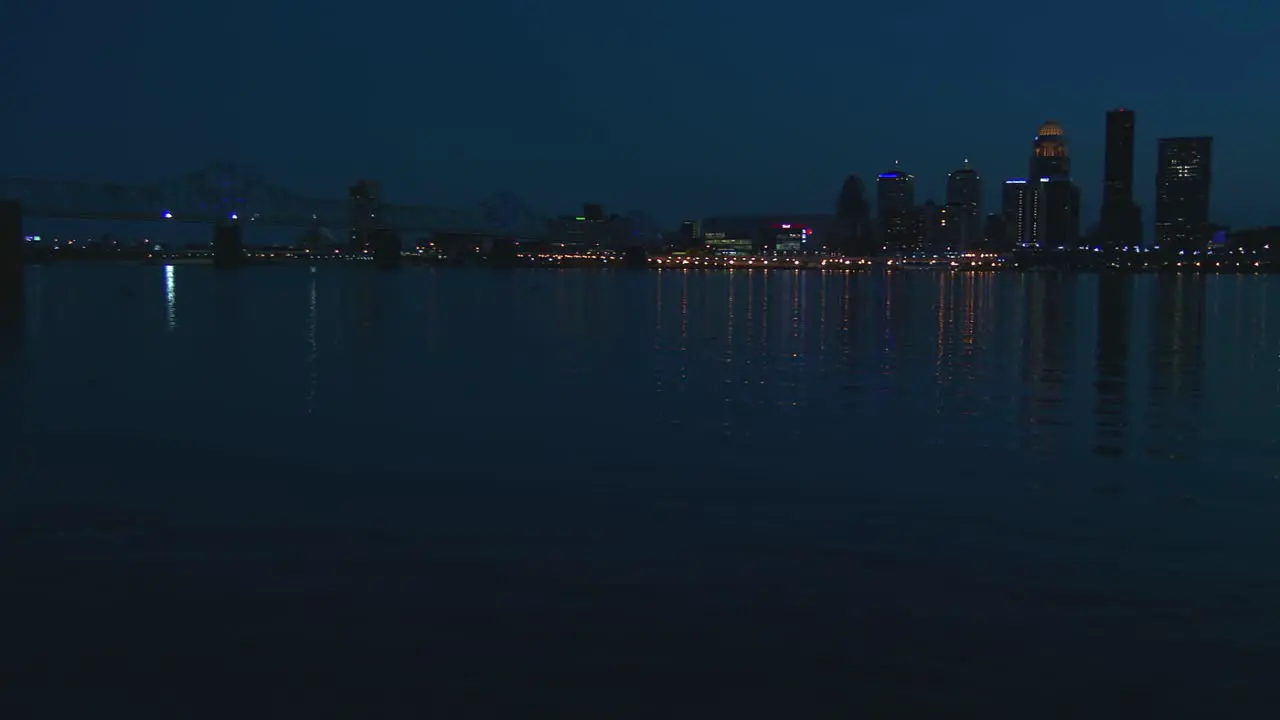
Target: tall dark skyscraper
895,208
1121,218
363,207
690,233
853,235
995,233
1117,174
963,211
1183,178
1059,210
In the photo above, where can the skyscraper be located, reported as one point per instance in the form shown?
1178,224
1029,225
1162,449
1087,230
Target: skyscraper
1117,174
928,226
853,219
1013,207
1183,179
1121,219
1049,156
1059,210
964,209
895,206
995,233
1052,206
363,206
690,233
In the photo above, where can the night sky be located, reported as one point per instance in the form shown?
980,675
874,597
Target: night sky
681,109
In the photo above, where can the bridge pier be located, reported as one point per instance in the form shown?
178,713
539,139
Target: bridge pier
12,293
228,245
387,248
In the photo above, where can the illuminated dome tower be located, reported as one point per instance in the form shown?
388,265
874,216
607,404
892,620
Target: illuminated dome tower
1049,153
1052,210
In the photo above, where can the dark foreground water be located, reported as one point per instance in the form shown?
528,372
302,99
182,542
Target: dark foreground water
345,493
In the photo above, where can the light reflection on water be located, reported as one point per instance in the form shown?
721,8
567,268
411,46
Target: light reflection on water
1114,365
170,298
904,465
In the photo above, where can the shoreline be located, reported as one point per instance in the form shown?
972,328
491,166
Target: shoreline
654,264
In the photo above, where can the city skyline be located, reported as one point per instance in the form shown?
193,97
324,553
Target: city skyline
1117,188
1042,210
563,103
963,188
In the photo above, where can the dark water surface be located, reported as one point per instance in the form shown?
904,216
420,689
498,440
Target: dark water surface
455,493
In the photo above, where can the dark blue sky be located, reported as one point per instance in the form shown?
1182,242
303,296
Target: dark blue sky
681,108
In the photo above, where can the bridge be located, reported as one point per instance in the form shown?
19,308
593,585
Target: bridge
224,193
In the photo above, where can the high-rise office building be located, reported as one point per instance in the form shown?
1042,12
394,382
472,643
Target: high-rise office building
853,233
995,233
1059,210
1183,179
963,213
929,227
1013,208
895,208
1052,206
363,207
1117,174
690,233
1121,219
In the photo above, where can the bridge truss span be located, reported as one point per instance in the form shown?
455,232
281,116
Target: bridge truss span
223,193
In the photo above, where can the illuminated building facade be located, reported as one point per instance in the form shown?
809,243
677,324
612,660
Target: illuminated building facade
773,234
690,233
895,207
724,243
962,215
593,229
1013,209
1183,179
928,227
1051,208
787,238
1049,157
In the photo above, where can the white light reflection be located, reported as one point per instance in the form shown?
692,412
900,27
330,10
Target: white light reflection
170,298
